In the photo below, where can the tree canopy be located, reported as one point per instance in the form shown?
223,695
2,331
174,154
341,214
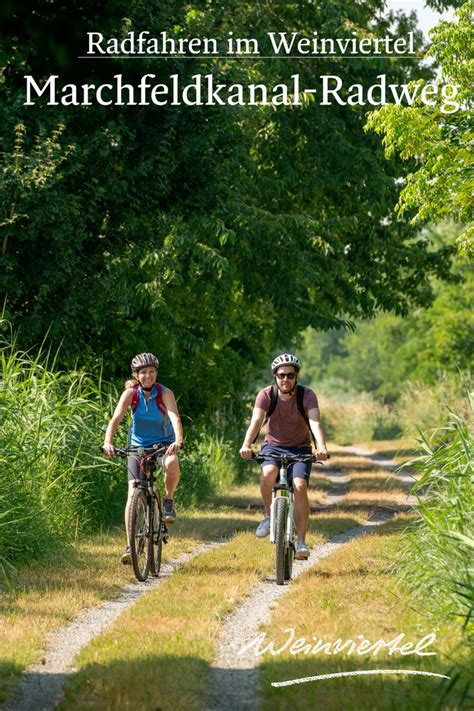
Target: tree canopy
207,234
441,184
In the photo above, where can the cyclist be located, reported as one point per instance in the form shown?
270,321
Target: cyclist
155,420
292,417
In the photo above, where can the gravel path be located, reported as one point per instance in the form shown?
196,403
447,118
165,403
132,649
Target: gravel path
234,675
43,682
391,465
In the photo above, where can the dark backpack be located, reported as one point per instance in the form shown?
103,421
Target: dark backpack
300,391
159,398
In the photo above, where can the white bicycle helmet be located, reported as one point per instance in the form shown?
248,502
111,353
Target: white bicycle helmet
286,359
142,360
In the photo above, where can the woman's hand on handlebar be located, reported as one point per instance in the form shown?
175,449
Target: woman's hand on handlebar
108,449
174,448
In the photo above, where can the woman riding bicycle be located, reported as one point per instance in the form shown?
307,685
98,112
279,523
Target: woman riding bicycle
155,420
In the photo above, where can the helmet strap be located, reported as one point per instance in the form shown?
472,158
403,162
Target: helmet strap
147,390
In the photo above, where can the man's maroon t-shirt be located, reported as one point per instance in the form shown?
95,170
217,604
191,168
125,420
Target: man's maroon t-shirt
287,426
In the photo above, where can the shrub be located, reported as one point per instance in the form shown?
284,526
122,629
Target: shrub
351,418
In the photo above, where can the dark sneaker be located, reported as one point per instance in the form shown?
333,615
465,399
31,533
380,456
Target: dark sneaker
126,556
169,514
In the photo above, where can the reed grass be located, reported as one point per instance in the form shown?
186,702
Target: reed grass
438,553
53,485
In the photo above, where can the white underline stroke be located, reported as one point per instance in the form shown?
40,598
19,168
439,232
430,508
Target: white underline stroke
366,672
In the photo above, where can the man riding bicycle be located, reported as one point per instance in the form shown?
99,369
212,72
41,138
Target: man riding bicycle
291,414
155,420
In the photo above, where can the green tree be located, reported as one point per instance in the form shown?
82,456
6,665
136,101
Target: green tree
207,234
441,143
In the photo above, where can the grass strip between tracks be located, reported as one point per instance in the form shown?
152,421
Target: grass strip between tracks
158,654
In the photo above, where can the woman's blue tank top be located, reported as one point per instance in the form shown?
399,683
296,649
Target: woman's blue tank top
150,425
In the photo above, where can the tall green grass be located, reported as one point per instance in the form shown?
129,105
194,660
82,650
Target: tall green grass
438,553
437,559
54,483
53,486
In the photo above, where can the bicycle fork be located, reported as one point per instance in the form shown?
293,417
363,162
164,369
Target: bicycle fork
283,487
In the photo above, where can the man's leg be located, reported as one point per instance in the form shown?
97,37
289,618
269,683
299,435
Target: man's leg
300,489
267,480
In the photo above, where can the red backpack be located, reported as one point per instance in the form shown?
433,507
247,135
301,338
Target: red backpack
159,398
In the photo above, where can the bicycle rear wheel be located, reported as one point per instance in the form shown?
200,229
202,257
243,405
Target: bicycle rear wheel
280,531
156,543
139,540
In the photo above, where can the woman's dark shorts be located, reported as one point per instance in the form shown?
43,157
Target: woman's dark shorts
133,466
296,470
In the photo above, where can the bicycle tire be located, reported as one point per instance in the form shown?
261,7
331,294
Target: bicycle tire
280,544
139,540
156,540
290,553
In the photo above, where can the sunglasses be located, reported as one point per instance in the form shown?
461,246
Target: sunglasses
290,376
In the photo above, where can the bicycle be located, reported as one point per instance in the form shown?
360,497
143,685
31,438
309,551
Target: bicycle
282,523
147,529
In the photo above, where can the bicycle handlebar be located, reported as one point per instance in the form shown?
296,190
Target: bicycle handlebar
259,457
156,450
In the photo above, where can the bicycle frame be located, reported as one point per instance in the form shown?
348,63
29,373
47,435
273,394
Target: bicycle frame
149,534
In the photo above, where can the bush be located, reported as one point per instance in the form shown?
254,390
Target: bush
423,407
208,466
348,418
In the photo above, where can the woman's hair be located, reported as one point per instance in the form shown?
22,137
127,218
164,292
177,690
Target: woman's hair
131,383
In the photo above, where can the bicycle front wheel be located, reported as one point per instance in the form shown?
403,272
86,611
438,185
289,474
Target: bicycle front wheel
156,543
139,539
280,543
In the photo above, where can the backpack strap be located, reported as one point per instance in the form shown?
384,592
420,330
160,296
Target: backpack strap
300,391
159,398
273,403
135,397
271,409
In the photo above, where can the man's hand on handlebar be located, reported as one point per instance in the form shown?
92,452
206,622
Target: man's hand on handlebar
246,452
321,455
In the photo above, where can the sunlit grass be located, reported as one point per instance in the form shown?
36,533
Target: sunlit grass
349,594
171,633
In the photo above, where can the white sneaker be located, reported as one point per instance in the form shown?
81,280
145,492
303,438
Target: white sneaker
302,551
263,527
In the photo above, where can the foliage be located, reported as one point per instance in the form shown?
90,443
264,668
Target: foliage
209,235
52,487
437,556
442,184
381,356
208,467
349,418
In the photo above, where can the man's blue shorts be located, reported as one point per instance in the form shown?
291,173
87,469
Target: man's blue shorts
301,470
